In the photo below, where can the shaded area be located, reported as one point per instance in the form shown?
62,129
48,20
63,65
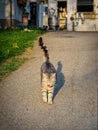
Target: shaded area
60,79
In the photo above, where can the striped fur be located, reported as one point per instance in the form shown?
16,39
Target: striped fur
48,75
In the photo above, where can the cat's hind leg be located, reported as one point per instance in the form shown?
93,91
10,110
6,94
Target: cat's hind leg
44,94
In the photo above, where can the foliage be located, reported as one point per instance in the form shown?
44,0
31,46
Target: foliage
7,68
13,43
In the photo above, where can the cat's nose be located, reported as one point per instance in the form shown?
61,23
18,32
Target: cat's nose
48,85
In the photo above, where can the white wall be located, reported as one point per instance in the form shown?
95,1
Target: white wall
88,25
52,4
71,8
96,10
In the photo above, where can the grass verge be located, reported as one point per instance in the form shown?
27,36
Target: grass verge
12,44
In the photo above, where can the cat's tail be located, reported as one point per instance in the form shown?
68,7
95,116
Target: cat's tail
44,48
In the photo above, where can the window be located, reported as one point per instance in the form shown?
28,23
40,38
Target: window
85,5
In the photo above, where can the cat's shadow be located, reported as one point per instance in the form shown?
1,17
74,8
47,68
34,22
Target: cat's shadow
60,79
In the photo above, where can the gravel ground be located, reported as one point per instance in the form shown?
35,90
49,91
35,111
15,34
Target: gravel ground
75,56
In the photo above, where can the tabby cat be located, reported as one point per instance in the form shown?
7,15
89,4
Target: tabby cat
48,76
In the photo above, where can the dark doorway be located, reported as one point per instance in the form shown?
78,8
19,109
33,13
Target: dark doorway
62,13
62,4
33,14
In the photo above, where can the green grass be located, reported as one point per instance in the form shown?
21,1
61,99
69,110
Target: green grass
7,68
13,43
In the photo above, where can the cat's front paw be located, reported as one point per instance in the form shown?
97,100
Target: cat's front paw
50,101
44,99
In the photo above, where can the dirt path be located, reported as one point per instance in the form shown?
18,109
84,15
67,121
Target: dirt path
75,56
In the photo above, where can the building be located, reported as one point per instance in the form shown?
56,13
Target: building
76,15
84,13
12,12
73,15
